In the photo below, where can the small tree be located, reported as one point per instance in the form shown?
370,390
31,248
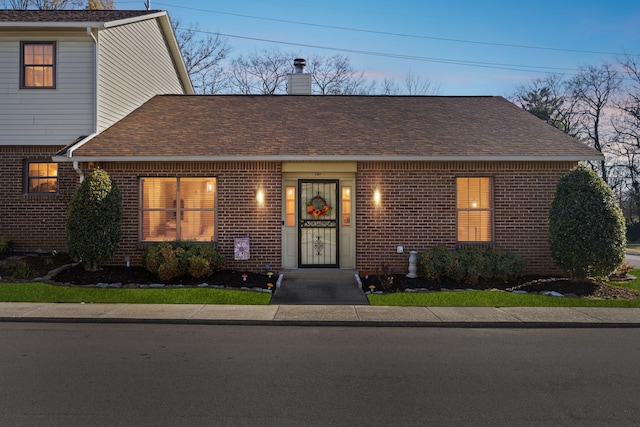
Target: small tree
93,220
586,225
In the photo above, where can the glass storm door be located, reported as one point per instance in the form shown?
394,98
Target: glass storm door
318,230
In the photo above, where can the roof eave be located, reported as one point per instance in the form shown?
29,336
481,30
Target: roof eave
328,158
172,42
42,24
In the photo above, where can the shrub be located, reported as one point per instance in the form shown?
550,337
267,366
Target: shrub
504,265
198,267
586,225
4,246
93,220
169,260
436,263
169,267
22,271
469,265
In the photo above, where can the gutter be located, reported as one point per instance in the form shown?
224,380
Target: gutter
358,158
69,153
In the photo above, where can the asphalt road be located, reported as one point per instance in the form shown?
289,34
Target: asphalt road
144,375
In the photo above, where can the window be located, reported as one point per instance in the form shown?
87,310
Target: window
475,209
346,206
37,65
178,209
290,206
41,178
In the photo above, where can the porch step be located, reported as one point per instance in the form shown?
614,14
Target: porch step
319,286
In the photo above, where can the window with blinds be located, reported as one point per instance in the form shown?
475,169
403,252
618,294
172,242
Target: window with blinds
178,209
475,209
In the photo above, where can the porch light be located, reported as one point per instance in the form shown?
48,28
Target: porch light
260,196
377,196
209,187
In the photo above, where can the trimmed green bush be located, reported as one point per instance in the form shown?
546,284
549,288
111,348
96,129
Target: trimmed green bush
170,260
469,266
436,263
93,220
504,265
586,225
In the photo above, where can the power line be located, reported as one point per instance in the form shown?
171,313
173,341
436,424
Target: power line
557,49
480,64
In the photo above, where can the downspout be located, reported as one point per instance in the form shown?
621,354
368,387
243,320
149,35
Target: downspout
76,167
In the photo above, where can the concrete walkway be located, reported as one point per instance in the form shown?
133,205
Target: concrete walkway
319,286
323,315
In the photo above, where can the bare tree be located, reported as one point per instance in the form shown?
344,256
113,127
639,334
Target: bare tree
44,4
100,5
261,72
203,54
389,87
416,84
334,75
549,99
628,138
593,89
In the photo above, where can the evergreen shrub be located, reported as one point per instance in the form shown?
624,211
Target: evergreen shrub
586,225
93,220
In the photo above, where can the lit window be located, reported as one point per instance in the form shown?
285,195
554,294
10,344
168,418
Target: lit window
38,65
475,210
346,206
41,178
178,209
290,206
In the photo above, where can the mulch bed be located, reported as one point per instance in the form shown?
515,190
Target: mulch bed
135,276
529,284
140,276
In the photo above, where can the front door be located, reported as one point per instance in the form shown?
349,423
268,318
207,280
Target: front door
318,215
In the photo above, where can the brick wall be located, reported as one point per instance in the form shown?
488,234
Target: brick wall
33,223
238,214
418,209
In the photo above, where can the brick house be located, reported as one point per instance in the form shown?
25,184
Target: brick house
67,76
298,181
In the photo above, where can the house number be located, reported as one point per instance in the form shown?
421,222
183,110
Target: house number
318,173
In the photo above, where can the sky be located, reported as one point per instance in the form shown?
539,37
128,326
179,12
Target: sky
464,47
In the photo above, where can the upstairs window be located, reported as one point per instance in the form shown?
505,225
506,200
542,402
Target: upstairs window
41,178
475,210
37,65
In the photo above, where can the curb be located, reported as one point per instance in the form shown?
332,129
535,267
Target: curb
332,323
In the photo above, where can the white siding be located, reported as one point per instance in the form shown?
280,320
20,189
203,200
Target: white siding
135,65
47,116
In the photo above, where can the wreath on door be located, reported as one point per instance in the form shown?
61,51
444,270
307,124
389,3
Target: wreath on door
318,206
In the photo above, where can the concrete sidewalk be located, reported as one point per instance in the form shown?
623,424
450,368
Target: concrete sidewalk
323,315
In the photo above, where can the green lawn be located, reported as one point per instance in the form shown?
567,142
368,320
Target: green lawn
498,299
41,292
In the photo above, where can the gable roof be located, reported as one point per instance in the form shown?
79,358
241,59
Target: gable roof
321,128
11,17
21,20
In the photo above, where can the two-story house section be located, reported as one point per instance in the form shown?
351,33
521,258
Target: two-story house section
65,76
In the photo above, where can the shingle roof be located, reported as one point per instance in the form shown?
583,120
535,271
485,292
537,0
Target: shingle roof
332,127
10,15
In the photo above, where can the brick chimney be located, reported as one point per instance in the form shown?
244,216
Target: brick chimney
299,82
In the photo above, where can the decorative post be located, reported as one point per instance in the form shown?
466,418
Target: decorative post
413,264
